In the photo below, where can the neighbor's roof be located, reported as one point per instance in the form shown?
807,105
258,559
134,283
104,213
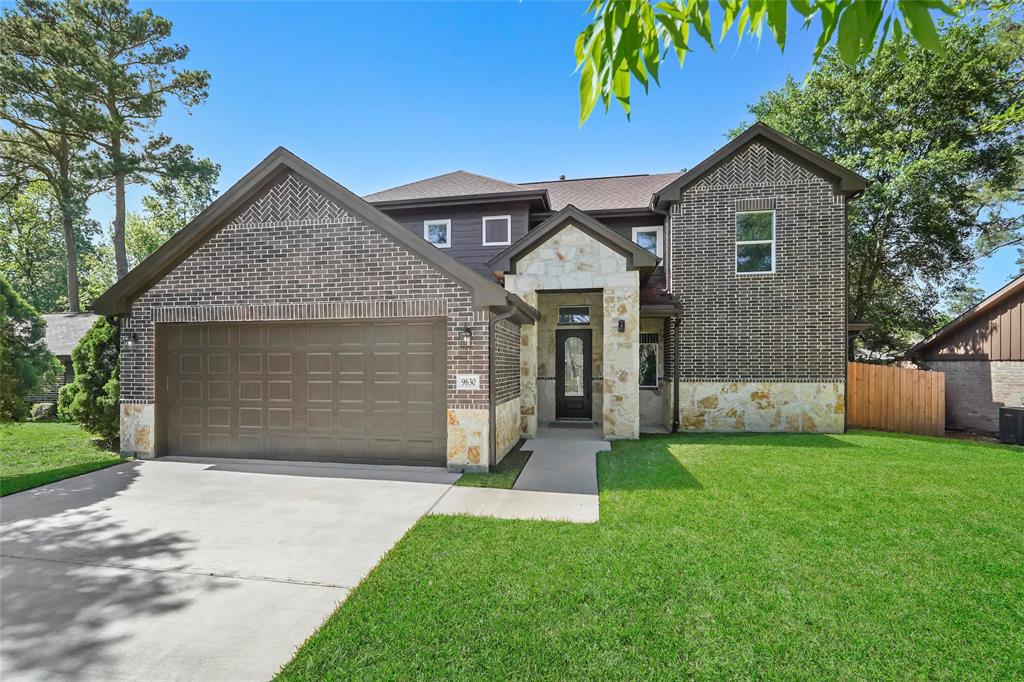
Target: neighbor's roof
454,184
617,192
65,330
1014,288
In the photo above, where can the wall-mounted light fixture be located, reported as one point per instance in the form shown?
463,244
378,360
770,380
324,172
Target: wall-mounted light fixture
466,339
131,339
622,326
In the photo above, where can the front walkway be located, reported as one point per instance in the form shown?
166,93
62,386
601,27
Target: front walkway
558,483
194,569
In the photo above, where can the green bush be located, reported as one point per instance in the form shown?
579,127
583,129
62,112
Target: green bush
92,398
25,362
43,412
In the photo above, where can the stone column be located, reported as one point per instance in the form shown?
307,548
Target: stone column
527,362
621,363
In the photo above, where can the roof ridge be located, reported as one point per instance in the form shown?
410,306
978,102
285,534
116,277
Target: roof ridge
461,171
601,177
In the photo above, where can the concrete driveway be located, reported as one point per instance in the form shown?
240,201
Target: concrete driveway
182,569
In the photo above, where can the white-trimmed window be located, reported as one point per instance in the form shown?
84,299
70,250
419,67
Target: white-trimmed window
438,233
497,230
755,242
651,238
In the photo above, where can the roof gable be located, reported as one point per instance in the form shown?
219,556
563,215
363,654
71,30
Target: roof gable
846,181
636,256
1005,294
246,200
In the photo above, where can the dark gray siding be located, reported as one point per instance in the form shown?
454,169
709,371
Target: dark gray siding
467,228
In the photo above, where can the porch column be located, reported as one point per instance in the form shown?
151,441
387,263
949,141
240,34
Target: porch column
621,359
528,372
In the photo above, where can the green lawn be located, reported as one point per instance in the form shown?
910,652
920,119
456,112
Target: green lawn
35,453
862,556
503,476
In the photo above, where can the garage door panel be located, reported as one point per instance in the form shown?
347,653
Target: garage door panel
371,391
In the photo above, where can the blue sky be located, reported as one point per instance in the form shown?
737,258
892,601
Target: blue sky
378,94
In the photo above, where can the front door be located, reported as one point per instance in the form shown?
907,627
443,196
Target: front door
572,374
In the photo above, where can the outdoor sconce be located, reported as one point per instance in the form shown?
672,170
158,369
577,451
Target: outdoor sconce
466,340
131,340
622,326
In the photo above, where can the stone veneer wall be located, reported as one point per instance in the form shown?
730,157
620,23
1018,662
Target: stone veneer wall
761,351
762,406
548,304
294,254
507,427
571,259
976,389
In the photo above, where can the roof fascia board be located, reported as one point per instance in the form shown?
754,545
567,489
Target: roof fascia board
995,299
847,182
206,224
540,197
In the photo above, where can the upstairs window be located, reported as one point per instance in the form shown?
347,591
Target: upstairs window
438,233
755,242
650,238
497,230
573,315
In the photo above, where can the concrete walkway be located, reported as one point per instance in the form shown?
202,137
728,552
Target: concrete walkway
558,483
195,569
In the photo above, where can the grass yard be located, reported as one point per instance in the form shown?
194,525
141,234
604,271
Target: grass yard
860,556
503,476
35,453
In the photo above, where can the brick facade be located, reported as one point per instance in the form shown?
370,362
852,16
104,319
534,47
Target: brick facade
506,358
976,389
295,254
784,326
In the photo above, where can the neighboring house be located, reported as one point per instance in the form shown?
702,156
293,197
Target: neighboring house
982,355
63,332
440,321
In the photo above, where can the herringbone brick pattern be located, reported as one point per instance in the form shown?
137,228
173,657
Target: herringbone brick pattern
291,202
756,166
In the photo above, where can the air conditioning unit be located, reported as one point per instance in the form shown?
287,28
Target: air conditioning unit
1011,425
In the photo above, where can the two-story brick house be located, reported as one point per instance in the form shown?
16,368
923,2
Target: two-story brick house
440,321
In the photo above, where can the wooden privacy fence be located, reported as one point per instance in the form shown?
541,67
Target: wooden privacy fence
895,399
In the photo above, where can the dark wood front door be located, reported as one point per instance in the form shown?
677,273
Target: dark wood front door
572,374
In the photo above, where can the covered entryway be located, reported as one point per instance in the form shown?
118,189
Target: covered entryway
359,391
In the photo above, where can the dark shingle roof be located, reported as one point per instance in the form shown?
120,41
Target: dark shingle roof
65,330
455,184
604,194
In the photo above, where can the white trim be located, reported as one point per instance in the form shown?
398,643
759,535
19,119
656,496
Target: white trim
508,229
736,250
660,240
447,222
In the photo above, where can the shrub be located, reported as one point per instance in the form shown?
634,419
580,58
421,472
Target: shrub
92,398
25,362
43,411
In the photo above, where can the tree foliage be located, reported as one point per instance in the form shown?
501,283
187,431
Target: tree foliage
628,40
92,398
926,130
174,202
25,363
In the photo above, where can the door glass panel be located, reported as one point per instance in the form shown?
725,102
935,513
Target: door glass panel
573,367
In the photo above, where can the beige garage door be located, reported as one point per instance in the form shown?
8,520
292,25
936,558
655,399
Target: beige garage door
339,392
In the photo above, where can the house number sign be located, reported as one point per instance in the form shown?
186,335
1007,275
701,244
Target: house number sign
467,382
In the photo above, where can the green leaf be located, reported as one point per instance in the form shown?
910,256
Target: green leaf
849,36
777,12
588,91
919,21
620,88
